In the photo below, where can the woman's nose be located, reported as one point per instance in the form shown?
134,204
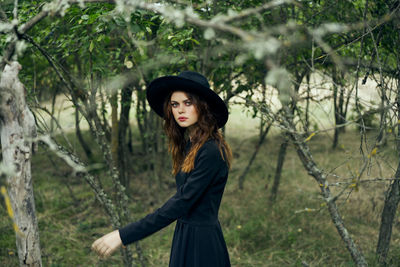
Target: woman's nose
181,109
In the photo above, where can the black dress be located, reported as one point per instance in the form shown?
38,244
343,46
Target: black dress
198,239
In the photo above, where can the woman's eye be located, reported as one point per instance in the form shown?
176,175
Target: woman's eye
188,103
174,105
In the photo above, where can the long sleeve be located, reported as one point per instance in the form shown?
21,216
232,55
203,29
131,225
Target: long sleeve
208,163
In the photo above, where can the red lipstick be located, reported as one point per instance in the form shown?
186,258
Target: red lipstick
182,118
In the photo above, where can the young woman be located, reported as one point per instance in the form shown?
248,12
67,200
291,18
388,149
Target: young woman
193,113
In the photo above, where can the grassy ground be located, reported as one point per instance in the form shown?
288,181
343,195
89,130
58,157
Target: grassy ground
257,232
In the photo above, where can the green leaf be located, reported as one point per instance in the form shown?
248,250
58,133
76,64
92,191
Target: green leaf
195,41
91,46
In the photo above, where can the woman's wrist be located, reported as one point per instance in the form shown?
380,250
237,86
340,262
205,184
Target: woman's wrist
107,244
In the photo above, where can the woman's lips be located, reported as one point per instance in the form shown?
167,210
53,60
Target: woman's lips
182,118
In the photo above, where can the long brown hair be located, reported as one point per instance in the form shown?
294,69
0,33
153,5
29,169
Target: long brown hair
204,129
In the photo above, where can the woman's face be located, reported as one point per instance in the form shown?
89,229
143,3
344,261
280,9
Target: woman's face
183,109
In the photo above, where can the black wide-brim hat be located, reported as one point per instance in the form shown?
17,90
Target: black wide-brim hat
187,81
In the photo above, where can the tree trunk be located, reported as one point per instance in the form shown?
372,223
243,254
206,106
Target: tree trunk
278,172
338,104
123,156
141,118
260,142
307,115
85,147
53,104
114,128
283,148
18,130
387,218
392,197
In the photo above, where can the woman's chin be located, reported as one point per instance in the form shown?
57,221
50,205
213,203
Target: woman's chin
184,124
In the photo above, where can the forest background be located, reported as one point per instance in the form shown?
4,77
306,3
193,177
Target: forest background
313,89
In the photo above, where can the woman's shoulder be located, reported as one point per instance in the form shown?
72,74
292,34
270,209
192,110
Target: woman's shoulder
211,149
211,144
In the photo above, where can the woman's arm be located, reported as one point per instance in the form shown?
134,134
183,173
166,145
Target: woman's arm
207,165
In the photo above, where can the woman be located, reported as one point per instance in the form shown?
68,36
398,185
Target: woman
193,113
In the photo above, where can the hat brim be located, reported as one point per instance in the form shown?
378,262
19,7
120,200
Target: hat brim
159,89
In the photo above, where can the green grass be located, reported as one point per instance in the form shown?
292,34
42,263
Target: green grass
257,232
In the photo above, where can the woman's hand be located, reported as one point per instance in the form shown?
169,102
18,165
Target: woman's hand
107,244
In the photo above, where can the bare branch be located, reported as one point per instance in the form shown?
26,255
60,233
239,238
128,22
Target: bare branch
80,168
15,10
378,179
251,11
312,168
56,121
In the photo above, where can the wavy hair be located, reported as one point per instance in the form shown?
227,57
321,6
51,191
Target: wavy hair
205,128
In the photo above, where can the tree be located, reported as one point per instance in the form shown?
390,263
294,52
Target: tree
18,131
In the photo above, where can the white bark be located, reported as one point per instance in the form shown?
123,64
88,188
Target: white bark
17,130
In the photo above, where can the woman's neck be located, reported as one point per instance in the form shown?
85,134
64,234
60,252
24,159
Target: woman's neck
191,130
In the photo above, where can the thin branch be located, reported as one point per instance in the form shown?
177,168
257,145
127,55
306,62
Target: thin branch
364,181
15,10
251,11
57,67
79,168
56,121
